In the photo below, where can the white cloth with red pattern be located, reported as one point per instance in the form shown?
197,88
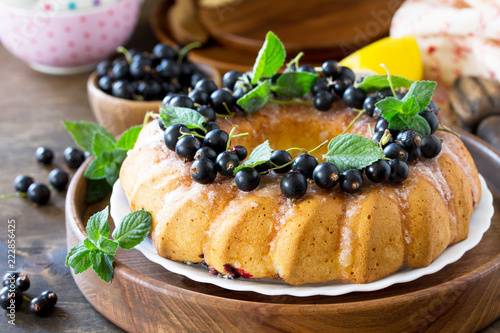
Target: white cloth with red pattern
455,38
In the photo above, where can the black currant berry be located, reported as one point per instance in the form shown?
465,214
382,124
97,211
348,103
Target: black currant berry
386,92
217,140
8,297
182,101
23,282
241,152
379,135
199,97
381,125
166,100
430,146
230,78
168,69
73,157
351,181
414,156
222,101
340,86
433,107
410,140
431,119
226,162
293,185
281,159
58,179
378,172
161,124
10,278
321,84
164,51
44,155
206,152
247,179
307,68
203,171
105,83
369,104
122,89
38,193
186,148
103,68
354,97
395,151
150,90
22,182
50,296
206,85
305,164
326,175
399,172
172,135
331,69
264,167
40,307
323,100
120,70
197,76
347,74
211,126
207,112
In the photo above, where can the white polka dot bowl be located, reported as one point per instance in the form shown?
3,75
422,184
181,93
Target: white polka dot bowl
63,39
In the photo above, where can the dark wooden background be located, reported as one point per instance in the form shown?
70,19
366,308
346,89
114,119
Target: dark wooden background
32,106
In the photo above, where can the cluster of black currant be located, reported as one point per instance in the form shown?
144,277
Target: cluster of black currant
39,193
148,76
11,296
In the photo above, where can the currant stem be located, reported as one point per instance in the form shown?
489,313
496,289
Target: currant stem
445,129
192,133
295,60
125,52
17,194
292,101
389,79
370,130
186,49
150,114
360,112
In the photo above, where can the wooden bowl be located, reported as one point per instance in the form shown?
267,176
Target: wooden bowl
144,297
118,114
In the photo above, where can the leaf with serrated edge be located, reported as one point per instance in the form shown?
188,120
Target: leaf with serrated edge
102,264
270,58
378,82
98,226
256,98
410,106
128,138
107,246
133,229
422,91
83,133
260,155
98,167
294,84
389,107
89,244
78,258
416,123
176,115
352,151
102,143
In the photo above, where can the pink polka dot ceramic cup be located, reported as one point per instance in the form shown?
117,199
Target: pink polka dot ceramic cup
55,40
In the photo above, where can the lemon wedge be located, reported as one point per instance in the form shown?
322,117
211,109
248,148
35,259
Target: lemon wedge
400,55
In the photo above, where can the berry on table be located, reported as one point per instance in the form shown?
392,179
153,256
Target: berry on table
58,179
38,193
305,164
186,148
40,306
399,171
430,146
281,159
326,175
378,172
73,157
10,278
354,97
22,182
44,155
203,171
323,100
230,78
7,297
23,282
247,179
217,140
173,133
206,152
226,162
50,296
293,185
351,181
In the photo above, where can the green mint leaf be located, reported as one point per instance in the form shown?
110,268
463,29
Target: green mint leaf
260,155
389,107
102,264
133,229
257,98
422,91
270,58
106,166
79,258
378,82
416,123
97,189
294,84
98,226
410,106
102,143
107,246
83,133
128,138
352,151
177,115
89,244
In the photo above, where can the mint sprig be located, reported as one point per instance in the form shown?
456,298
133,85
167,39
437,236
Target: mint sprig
378,82
260,155
294,84
109,154
270,58
178,115
352,151
97,250
256,98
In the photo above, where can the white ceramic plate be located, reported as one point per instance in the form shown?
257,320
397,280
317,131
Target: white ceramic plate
480,222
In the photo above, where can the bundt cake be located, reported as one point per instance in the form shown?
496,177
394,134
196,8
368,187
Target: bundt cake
327,235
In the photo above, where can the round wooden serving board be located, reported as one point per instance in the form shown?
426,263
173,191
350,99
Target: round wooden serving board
144,297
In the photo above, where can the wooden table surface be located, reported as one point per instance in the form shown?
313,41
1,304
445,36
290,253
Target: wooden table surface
32,106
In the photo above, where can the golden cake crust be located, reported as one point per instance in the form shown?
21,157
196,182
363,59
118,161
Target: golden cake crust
325,236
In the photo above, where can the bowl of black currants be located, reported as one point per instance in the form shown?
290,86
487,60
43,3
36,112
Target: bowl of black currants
123,90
